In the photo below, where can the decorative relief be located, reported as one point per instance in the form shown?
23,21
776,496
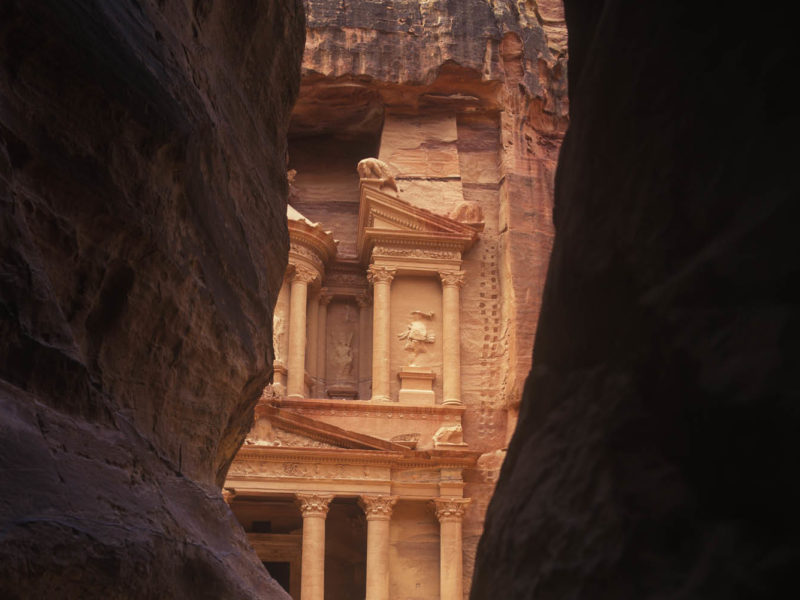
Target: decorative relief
304,274
293,470
449,435
306,253
314,505
452,278
449,509
363,300
417,336
416,253
324,297
379,274
377,508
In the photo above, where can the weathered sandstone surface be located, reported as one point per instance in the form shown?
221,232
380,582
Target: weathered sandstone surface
465,100
142,246
657,449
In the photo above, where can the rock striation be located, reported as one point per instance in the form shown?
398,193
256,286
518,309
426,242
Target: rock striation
656,450
143,242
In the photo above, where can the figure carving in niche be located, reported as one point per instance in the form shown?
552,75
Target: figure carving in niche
278,335
343,355
417,336
372,168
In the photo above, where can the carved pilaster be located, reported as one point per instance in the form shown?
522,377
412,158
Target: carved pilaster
381,279
377,507
451,335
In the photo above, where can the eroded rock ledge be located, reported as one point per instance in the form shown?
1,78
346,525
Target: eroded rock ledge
142,173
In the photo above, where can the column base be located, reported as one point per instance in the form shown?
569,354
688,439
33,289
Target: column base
380,399
296,397
453,402
416,385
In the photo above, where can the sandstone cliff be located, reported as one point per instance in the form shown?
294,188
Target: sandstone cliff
657,449
143,236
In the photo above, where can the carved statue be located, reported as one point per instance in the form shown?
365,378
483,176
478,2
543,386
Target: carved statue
278,335
449,435
343,355
467,211
416,336
372,168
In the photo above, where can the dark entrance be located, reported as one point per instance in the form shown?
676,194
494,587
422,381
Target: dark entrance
280,572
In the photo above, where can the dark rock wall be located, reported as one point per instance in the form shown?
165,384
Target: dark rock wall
657,448
142,244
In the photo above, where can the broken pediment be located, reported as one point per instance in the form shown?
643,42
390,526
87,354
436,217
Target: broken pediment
277,428
386,221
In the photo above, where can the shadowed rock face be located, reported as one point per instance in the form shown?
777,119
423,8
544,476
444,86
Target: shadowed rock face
142,245
656,452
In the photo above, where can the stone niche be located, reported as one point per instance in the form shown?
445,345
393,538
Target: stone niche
342,340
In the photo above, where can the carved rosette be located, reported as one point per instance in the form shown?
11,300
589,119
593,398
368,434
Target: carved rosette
380,274
452,278
314,505
449,509
304,274
377,508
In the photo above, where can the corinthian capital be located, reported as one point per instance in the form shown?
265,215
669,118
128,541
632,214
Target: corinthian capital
450,509
452,278
313,505
324,297
304,274
377,508
379,274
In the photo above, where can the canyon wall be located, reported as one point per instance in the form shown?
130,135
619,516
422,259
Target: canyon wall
657,449
143,242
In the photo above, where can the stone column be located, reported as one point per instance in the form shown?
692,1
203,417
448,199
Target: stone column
364,342
379,513
381,279
322,342
450,511
280,337
295,386
451,335
312,311
314,508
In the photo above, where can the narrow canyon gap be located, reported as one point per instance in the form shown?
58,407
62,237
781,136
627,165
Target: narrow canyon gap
657,446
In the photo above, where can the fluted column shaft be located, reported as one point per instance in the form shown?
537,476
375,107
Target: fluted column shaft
379,513
314,508
451,335
312,312
450,512
381,278
295,387
322,343
364,343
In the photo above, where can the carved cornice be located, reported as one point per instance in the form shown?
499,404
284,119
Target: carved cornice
304,274
377,508
379,274
449,509
452,278
314,505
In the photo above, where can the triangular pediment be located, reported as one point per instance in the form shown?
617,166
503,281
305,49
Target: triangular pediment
275,427
383,215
